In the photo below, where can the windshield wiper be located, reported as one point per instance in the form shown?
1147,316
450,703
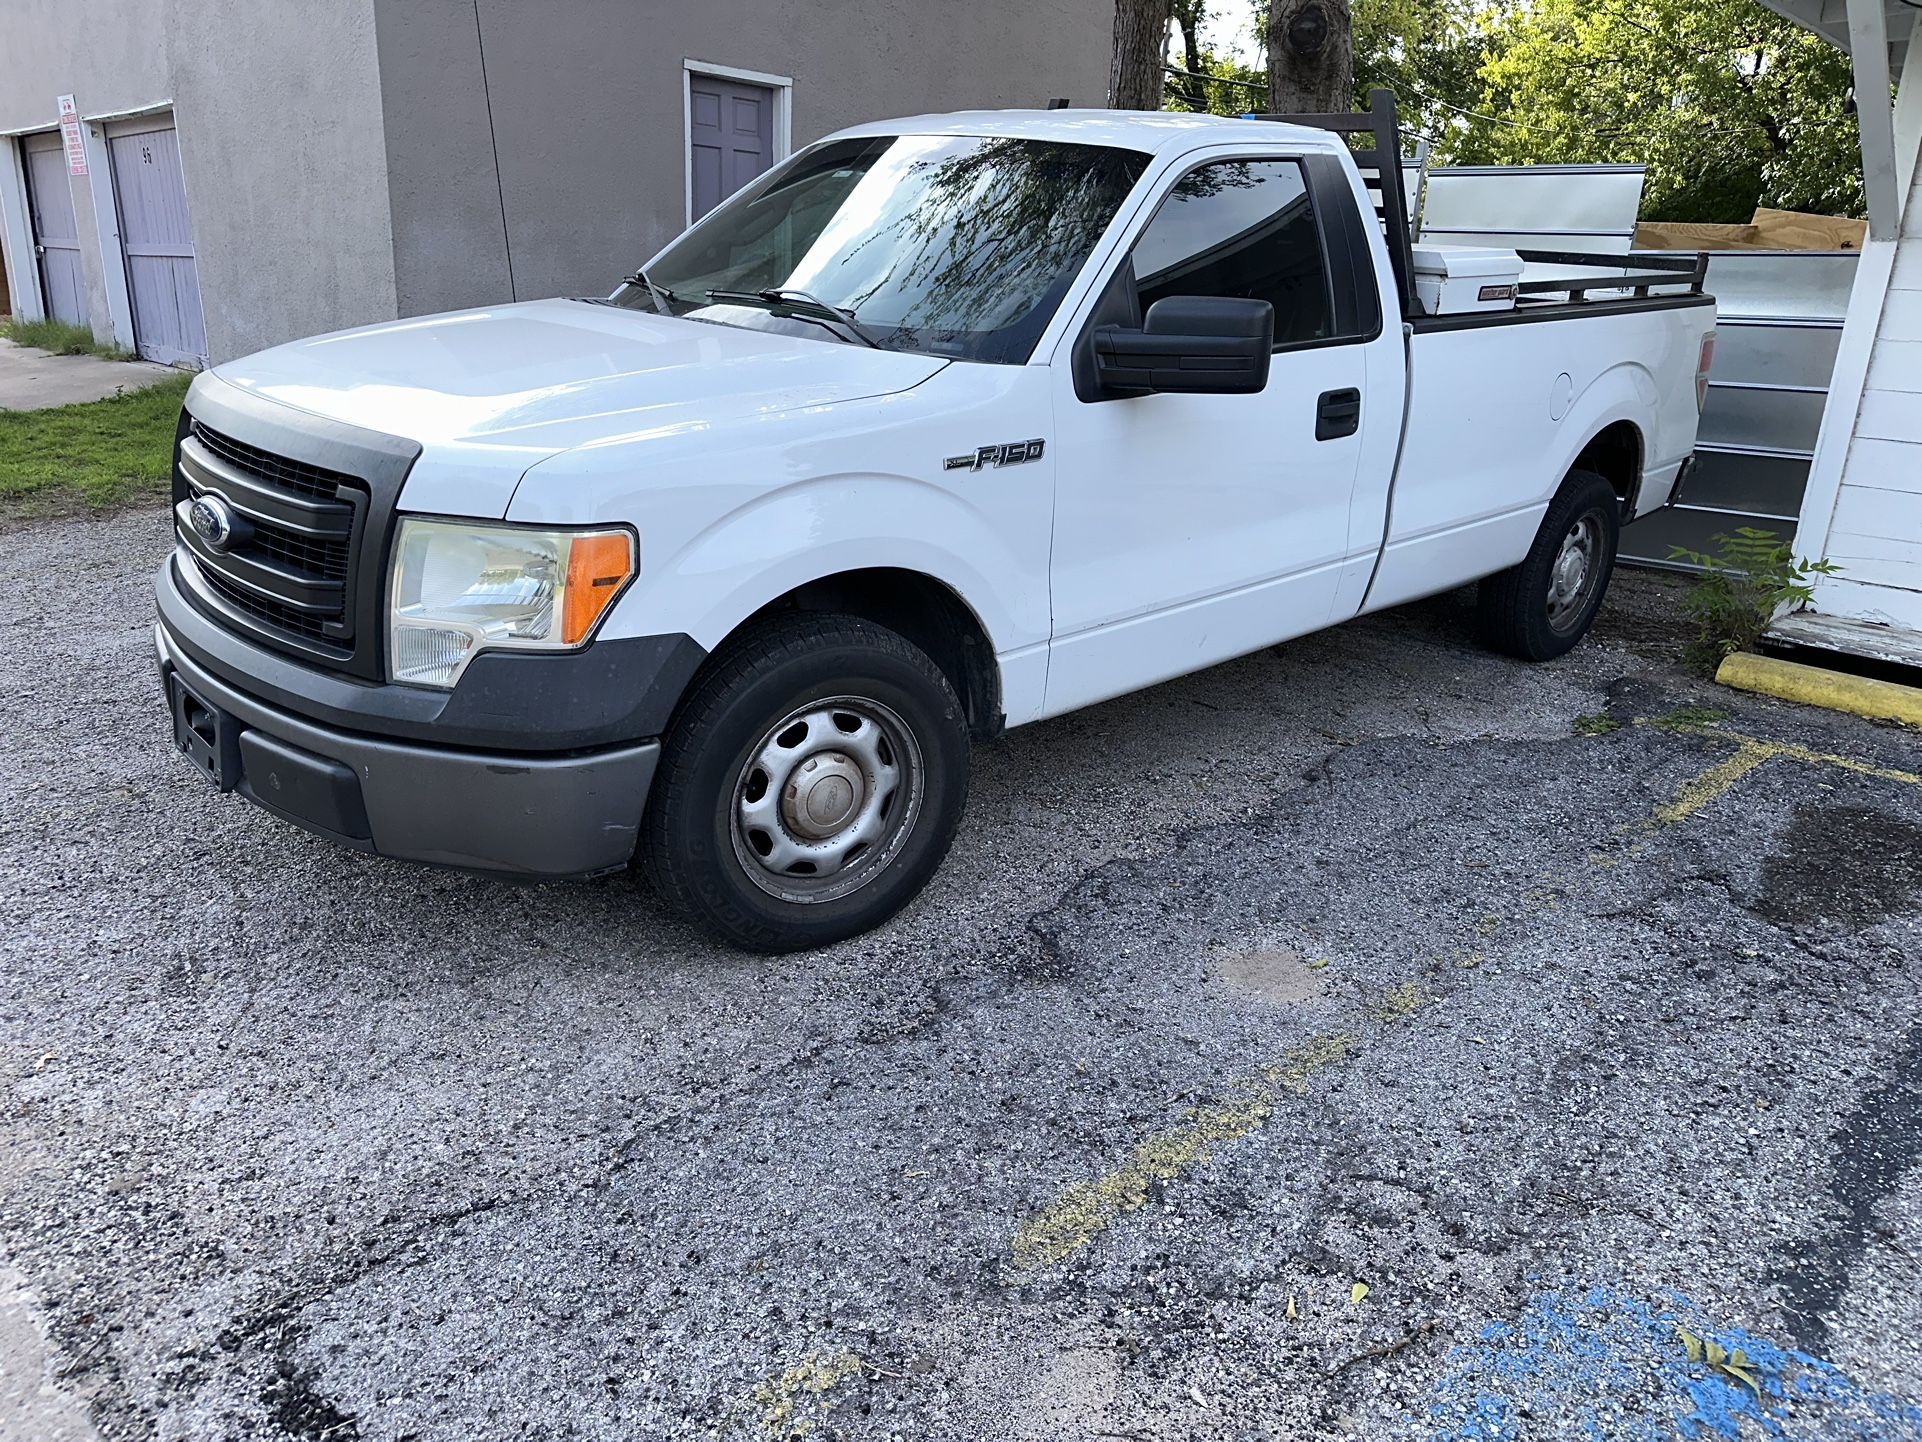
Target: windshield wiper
661,295
776,298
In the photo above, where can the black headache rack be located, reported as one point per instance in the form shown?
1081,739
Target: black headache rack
1381,172
1638,275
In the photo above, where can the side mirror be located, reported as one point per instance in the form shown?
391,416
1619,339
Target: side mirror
1189,345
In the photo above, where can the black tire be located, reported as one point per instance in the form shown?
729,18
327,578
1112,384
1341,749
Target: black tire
702,849
1524,610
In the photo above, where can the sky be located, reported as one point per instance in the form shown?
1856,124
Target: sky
1233,32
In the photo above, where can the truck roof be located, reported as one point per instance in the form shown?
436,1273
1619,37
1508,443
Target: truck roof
1152,131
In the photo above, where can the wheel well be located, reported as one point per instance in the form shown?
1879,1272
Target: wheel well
1615,454
927,613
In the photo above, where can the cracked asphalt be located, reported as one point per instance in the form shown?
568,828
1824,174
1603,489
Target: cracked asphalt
1337,1043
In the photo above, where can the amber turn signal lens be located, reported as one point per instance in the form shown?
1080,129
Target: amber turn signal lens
597,568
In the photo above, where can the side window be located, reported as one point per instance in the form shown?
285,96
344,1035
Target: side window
1240,228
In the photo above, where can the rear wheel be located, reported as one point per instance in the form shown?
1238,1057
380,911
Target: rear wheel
810,786
1542,607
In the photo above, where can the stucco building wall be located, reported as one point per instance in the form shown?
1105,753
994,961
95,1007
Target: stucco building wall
354,160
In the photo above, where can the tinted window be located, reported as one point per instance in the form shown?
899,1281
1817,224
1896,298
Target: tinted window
1240,228
959,245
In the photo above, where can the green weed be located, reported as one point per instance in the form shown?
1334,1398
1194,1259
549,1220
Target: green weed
1750,576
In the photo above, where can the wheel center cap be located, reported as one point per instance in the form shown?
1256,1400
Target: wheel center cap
829,801
1569,579
822,795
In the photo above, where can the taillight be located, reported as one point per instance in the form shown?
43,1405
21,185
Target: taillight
1703,363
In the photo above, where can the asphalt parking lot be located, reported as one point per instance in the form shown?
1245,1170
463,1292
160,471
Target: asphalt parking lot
1343,1042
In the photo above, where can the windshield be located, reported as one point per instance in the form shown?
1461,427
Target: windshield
951,245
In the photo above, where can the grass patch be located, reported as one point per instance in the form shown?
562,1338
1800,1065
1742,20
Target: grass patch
1693,716
61,338
98,454
1598,724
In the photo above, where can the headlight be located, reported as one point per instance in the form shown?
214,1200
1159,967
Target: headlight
461,589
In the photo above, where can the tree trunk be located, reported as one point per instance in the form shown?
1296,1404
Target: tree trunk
1311,56
1188,17
1140,36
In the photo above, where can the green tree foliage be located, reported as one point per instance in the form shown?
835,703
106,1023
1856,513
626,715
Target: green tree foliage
1728,105
1429,52
1416,48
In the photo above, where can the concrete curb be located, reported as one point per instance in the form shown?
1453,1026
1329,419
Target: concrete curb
1813,686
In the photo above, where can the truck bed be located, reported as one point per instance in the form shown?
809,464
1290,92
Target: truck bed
1564,284
1494,419
1499,407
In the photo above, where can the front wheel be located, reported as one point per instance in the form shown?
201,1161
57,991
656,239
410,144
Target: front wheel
1542,607
810,786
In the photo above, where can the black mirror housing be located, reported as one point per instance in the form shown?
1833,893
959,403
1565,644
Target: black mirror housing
1189,345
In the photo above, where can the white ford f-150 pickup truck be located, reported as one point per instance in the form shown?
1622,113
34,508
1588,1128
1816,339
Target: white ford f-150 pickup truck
940,426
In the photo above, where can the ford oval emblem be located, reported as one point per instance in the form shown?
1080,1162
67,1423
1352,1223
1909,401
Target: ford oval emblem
212,520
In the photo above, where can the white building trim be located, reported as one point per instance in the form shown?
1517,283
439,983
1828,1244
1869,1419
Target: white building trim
106,214
1862,509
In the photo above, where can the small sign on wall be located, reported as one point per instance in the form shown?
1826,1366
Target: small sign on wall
70,131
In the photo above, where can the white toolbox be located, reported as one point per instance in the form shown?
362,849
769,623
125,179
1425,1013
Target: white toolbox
1461,279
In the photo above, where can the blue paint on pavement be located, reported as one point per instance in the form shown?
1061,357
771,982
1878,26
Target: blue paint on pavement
1595,1363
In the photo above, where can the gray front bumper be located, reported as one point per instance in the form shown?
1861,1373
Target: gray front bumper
534,816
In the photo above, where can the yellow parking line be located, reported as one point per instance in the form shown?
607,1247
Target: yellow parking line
1082,1212
1700,790
1847,763
1751,752
791,1403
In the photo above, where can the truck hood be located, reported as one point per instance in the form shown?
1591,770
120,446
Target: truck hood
488,393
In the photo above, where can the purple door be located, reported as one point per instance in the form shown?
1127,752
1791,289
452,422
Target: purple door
158,242
56,239
731,133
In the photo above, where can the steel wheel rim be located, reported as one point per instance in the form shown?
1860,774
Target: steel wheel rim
826,799
1573,573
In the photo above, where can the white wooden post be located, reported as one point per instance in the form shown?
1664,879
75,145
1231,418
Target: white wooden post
1897,133
1908,120
1869,53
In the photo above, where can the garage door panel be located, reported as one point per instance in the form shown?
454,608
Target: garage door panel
55,230
157,239
157,221
187,293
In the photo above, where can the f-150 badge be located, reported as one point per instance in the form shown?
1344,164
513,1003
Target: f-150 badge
1011,454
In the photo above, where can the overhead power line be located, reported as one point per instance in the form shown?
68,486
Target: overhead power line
1215,79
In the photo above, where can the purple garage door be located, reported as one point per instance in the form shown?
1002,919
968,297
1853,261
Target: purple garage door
158,242
731,132
56,239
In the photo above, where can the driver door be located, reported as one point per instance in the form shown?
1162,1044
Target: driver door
1192,528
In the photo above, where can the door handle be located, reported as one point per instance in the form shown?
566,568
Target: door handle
1337,414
